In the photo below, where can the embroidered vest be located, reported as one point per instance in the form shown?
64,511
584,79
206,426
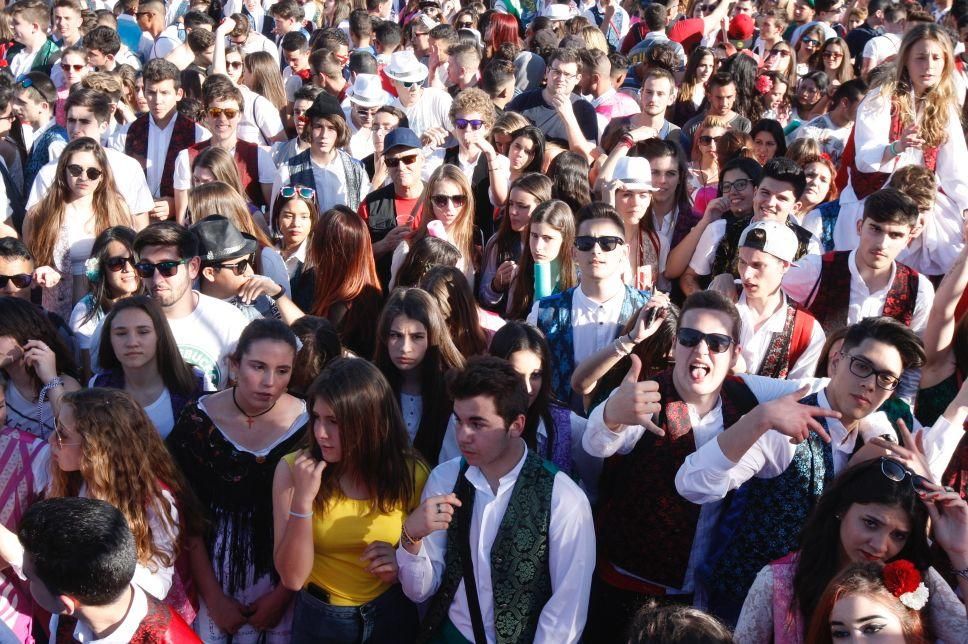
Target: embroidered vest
554,320
40,153
182,136
301,174
382,219
643,525
246,160
161,625
725,259
481,188
764,520
786,347
520,570
560,453
864,183
831,294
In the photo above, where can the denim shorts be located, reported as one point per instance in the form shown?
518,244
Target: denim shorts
391,618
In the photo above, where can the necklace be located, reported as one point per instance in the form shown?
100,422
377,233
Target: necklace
250,418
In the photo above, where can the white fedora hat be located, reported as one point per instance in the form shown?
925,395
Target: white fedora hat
405,67
367,91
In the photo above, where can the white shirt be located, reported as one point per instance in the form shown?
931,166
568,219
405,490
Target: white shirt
708,475
800,282
257,42
571,538
330,183
129,179
183,171
158,142
880,48
824,131
22,62
122,634
160,414
705,253
664,232
260,118
432,110
594,325
754,342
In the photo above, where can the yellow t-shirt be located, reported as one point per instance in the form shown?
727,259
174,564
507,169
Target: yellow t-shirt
342,533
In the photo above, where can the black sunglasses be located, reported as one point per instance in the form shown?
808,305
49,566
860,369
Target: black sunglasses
897,473
607,243
20,281
166,268
76,171
238,268
115,264
717,342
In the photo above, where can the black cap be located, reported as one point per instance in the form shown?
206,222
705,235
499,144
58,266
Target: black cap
325,105
219,239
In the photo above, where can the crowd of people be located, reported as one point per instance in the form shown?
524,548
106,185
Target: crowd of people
444,321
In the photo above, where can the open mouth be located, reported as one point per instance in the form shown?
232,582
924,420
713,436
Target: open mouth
698,371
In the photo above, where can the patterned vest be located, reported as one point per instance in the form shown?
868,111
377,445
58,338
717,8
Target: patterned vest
786,347
40,153
764,520
481,188
301,174
725,260
644,526
560,453
161,625
136,146
831,294
554,320
520,570
246,160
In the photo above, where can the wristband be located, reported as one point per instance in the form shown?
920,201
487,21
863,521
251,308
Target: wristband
282,292
627,141
893,149
406,538
300,515
619,349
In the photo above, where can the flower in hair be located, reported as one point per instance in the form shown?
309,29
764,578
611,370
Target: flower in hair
92,268
764,84
904,582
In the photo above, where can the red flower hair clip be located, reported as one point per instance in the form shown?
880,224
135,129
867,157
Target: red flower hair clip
904,582
764,84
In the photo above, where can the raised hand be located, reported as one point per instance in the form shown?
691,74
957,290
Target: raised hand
435,513
307,476
634,402
949,521
794,419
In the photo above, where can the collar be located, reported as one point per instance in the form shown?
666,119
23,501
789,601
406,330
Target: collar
855,273
170,126
125,631
583,301
300,254
609,93
505,483
773,324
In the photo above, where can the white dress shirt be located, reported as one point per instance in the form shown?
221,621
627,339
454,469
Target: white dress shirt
664,231
158,141
571,538
594,324
800,281
754,342
122,634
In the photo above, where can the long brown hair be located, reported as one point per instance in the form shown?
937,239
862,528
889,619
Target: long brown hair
264,78
47,217
125,462
453,294
373,437
463,234
219,198
558,215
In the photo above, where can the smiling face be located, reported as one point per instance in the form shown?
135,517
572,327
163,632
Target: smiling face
778,58
873,532
698,372
773,201
133,338
295,222
222,126
881,243
740,195
925,65
545,242
263,372
865,618
855,397
124,281
407,342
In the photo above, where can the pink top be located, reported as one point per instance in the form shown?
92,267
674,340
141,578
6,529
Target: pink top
616,104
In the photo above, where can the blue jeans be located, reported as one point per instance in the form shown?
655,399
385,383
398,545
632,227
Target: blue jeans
391,618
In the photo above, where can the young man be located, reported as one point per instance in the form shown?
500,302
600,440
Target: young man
105,51
596,84
287,16
156,138
858,38
587,318
651,540
157,38
779,339
29,21
611,18
79,556
831,130
844,287
885,46
361,31
498,81
657,95
783,454
555,110
88,113
366,96
223,104
656,18
327,73
721,94
463,67
427,108
772,23
442,38
303,100
484,506
242,35
297,71
16,268
33,105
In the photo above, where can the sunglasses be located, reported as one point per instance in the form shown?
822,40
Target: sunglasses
116,264
238,269
778,52
68,67
465,25
406,159
863,369
810,42
461,124
705,139
897,473
411,84
832,55
441,201
717,342
607,243
20,281
166,268
288,192
216,112
739,185
76,171
235,64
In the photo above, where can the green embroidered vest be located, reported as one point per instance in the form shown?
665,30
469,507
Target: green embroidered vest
520,571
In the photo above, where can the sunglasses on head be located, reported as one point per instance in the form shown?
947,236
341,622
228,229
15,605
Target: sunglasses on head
68,67
20,281
216,112
475,124
76,171
288,192
608,243
405,159
717,342
238,268
167,268
897,473
116,264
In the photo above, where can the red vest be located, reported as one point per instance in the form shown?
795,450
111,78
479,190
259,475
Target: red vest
136,146
831,294
643,525
247,161
787,346
161,625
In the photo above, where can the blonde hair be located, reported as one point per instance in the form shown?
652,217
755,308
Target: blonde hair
594,38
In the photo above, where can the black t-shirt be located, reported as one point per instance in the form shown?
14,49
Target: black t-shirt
531,105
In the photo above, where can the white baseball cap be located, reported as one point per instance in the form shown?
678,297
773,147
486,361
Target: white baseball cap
635,173
773,238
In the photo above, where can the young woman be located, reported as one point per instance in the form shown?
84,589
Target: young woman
97,432
470,327
501,28
773,98
138,354
569,173
864,602
60,230
768,140
39,368
551,239
338,507
833,58
341,282
447,211
780,59
807,46
692,91
414,350
228,445
215,164
295,216
810,100
73,64
264,99
504,128
820,173
704,170
110,271
504,248
870,513
526,151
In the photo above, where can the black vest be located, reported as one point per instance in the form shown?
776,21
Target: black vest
382,219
